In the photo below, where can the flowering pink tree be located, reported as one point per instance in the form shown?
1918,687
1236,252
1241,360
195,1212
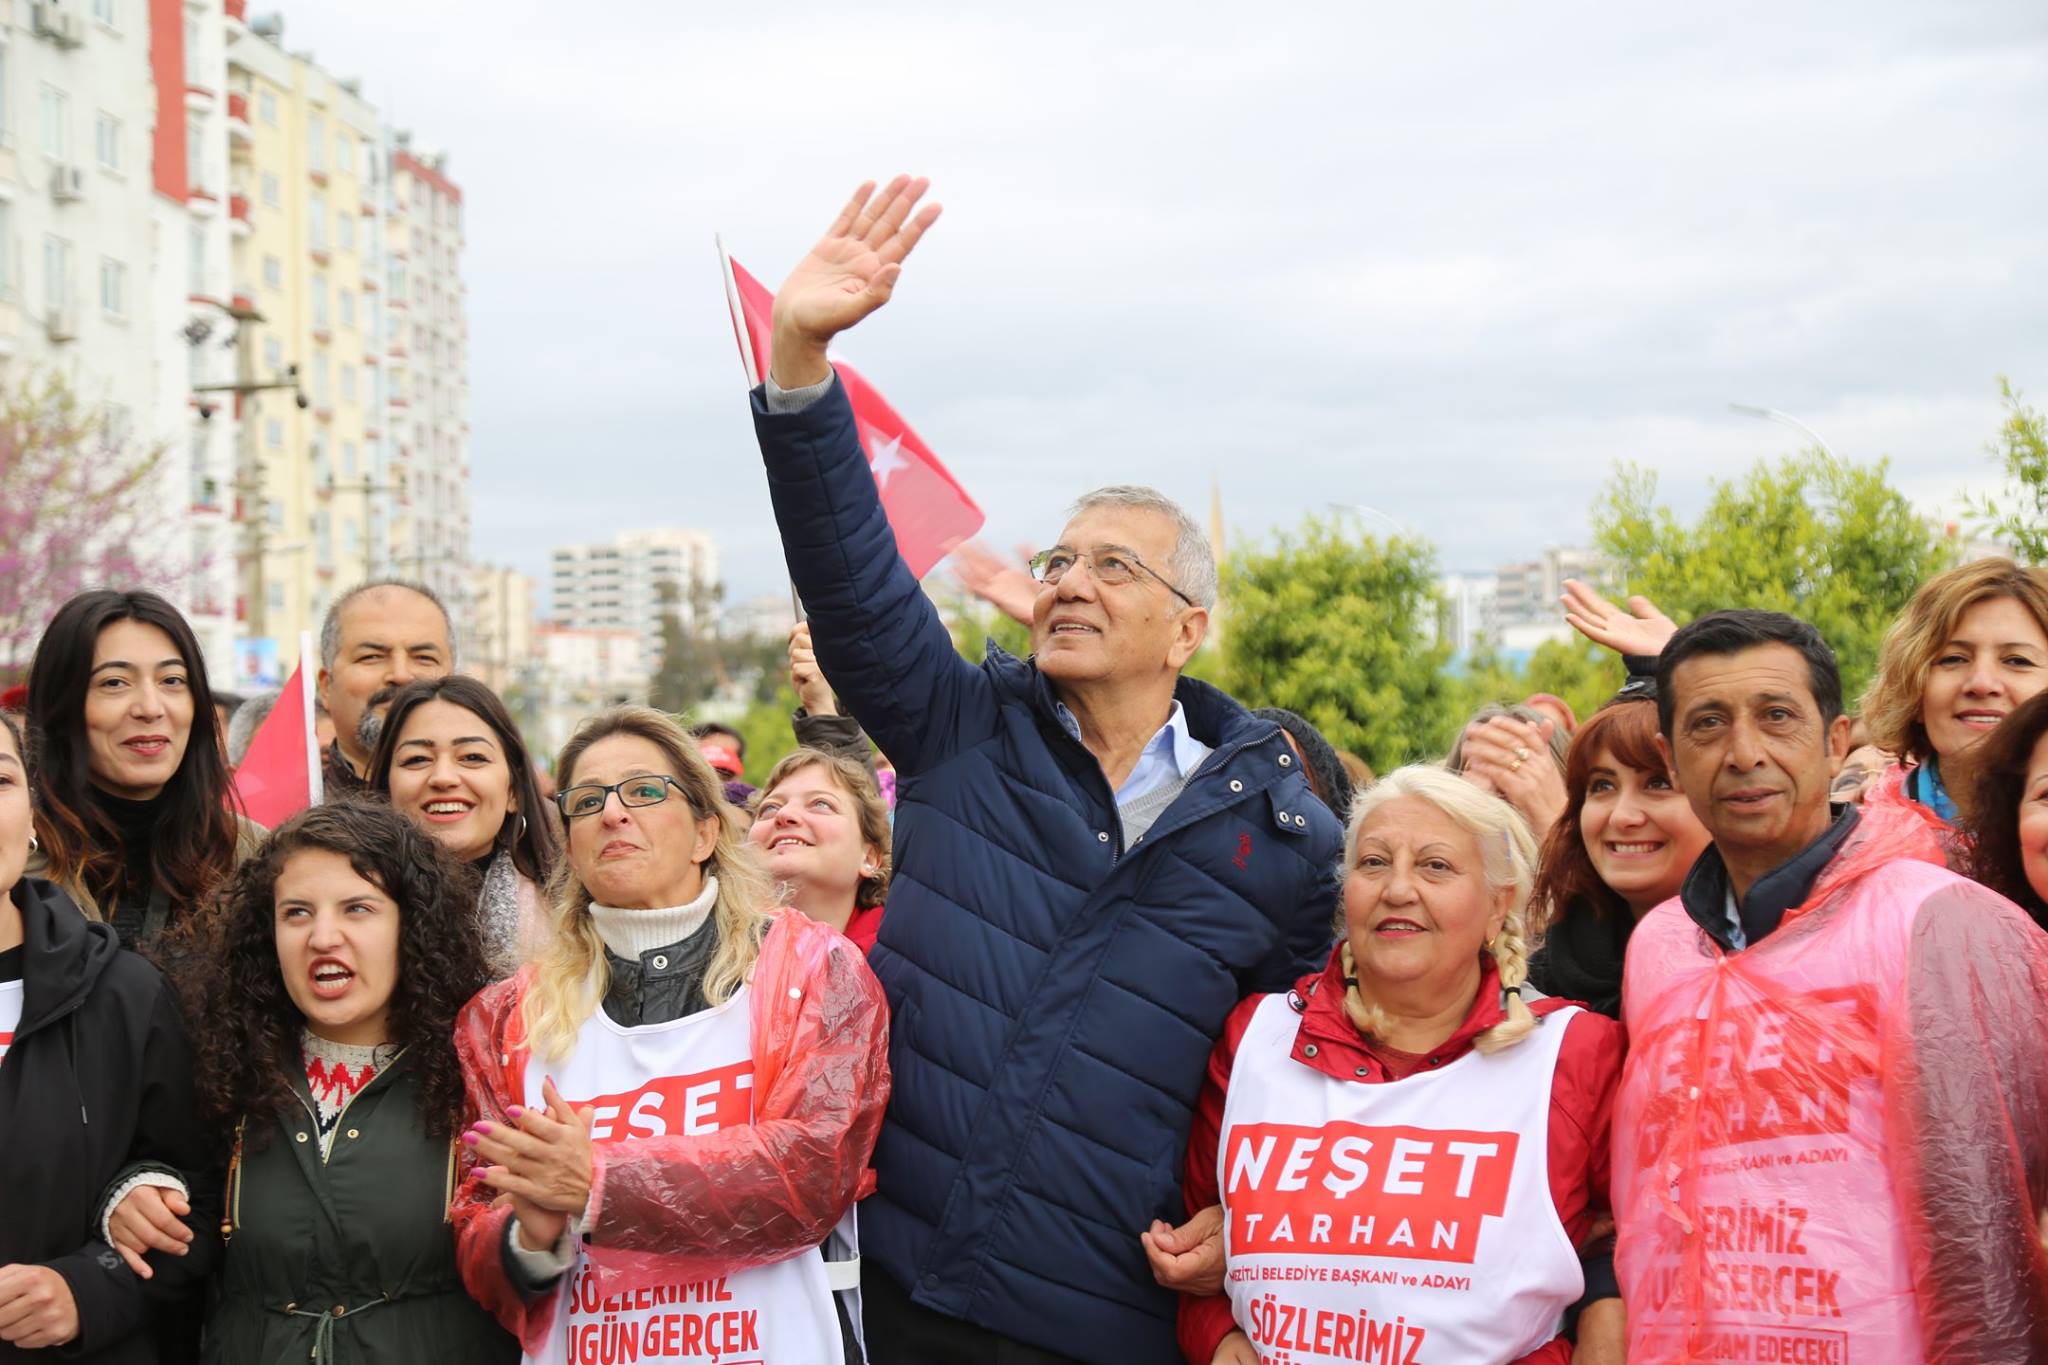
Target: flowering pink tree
76,503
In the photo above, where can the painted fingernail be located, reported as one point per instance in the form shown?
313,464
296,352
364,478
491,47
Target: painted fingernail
471,1138
513,1112
480,1126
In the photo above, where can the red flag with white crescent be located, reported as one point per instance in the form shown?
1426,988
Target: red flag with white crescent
927,508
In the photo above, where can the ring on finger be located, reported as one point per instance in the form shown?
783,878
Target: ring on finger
1515,766
1521,753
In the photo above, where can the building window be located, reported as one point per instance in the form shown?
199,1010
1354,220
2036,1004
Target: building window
345,305
316,142
274,587
273,273
345,154
348,448
56,272
271,194
113,288
107,12
345,231
319,300
7,282
56,122
273,436
348,384
195,154
323,396
273,354
195,261
317,228
266,107
106,140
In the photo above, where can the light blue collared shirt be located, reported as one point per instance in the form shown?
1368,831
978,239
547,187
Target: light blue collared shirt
1170,754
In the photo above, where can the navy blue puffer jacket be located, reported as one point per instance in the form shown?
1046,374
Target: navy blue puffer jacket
1054,994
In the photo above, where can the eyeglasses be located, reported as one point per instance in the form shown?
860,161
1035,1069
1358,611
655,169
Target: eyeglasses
1111,564
589,799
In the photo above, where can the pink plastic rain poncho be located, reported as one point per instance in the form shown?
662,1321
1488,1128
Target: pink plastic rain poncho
679,1209
1830,1147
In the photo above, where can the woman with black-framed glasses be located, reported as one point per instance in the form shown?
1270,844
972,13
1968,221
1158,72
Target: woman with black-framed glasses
680,1094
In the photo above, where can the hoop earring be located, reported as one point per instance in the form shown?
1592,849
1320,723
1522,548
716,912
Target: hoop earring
33,842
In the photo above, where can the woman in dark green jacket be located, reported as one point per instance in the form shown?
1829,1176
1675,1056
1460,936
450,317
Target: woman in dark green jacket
326,985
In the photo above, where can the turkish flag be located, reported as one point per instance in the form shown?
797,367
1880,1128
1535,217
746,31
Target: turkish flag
280,775
927,508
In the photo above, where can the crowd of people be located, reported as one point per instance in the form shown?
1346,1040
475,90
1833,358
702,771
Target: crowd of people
1030,1010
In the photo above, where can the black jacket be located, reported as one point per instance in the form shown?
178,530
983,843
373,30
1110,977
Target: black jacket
98,1079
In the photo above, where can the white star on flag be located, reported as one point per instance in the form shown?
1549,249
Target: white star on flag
887,459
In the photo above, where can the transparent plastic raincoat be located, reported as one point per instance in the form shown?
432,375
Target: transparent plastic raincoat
1831,1146
679,1209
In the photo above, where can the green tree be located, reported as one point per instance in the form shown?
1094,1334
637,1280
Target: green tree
678,683
2021,518
1337,627
1827,540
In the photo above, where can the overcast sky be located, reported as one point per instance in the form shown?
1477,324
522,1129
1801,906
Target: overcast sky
1449,261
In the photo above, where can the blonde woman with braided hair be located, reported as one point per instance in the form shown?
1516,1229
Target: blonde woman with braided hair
1408,1151
675,1102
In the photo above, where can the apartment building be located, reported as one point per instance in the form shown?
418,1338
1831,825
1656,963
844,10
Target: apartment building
633,582
426,349
112,261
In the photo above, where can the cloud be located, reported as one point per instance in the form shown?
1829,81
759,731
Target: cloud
1449,263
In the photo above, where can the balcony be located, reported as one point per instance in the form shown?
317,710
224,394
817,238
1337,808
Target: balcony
238,214
237,11
240,133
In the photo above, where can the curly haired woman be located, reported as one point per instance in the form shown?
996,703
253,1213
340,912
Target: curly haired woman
325,983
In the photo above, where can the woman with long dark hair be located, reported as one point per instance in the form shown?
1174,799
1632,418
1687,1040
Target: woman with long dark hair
451,759
95,1082
324,984
132,798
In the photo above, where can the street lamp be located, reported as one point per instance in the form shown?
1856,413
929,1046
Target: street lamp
1787,419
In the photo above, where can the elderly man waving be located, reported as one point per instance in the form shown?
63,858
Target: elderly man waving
1095,860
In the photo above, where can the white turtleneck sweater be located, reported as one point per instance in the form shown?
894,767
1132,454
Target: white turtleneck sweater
630,933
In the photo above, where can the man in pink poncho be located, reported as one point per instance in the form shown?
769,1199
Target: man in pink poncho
1831,1141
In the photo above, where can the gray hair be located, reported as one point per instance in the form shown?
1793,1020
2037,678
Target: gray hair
247,720
330,626
1192,566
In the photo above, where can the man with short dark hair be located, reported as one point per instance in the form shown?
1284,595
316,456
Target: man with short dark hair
376,638
1832,1132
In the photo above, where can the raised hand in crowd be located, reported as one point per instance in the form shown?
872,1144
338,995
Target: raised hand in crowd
1511,757
1641,629
813,693
850,273
1007,587
148,1220
1187,1259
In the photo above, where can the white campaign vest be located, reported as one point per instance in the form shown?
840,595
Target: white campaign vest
1404,1222
693,1075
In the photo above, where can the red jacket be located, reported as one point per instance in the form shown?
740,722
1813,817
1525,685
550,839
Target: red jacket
1581,1111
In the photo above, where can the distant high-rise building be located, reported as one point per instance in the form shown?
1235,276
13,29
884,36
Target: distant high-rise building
1527,593
427,369
634,582
498,644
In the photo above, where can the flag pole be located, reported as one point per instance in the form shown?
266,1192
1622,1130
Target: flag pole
740,334
315,787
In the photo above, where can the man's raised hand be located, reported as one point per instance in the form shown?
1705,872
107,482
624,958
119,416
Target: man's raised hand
849,274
